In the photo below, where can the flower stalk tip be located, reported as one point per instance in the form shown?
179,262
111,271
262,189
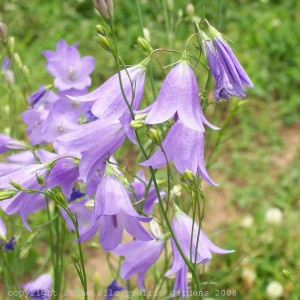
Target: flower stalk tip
3,32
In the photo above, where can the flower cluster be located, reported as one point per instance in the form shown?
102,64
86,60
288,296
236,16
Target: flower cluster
86,129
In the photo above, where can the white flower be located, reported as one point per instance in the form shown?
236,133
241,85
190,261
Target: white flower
274,290
247,221
273,216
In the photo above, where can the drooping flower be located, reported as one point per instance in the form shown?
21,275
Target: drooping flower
96,141
185,147
230,76
201,251
24,203
68,68
40,288
113,289
178,94
113,212
139,257
139,185
109,100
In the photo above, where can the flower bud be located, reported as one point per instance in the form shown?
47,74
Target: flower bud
17,60
274,290
187,176
155,230
16,145
105,8
154,136
170,4
104,42
9,77
286,274
147,35
26,72
136,124
176,191
16,185
40,180
190,10
7,194
101,30
3,32
75,258
145,46
11,45
96,283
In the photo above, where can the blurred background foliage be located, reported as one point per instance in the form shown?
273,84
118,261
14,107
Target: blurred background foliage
258,167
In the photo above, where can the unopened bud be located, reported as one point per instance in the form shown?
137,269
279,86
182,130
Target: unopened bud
16,185
16,145
24,253
154,136
75,258
104,42
286,274
105,8
40,180
26,72
96,283
170,4
190,10
147,35
180,13
176,191
11,45
17,60
136,124
3,32
187,176
101,30
7,194
144,45
155,230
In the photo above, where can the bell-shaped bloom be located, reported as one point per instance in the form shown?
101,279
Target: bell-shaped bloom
201,251
96,141
40,288
109,100
68,68
230,77
42,97
24,203
179,94
185,147
56,125
113,290
139,257
139,185
113,212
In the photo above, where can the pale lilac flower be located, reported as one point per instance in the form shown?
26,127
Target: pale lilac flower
185,147
68,68
113,289
109,101
113,212
56,125
42,97
72,109
40,288
139,257
35,120
5,64
230,77
24,203
178,94
182,227
3,140
9,75
96,141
